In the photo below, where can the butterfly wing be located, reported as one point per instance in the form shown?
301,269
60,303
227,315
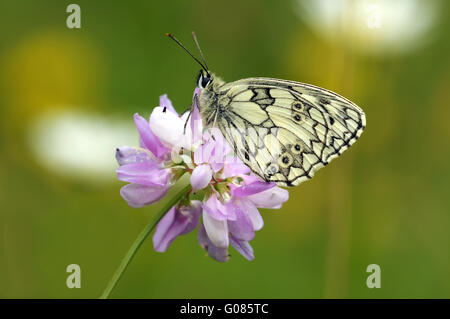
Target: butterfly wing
284,130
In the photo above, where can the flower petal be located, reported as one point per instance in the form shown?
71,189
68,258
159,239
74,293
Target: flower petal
203,153
140,195
148,139
271,198
146,173
161,239
232,169
173,224
168,127
252,188
243,247
216,163
219,254
219,151
216,134
129,155
217,230
253,214
194,210
201,177
164,101
242,227
215,208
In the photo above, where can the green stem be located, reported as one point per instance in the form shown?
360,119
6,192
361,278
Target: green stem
140,240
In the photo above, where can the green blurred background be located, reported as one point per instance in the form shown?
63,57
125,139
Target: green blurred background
67,97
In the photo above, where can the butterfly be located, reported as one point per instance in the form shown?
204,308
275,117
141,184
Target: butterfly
284,131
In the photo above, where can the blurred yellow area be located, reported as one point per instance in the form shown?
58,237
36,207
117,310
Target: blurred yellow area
45,70
67,99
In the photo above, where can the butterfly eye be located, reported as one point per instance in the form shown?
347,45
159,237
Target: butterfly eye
203,80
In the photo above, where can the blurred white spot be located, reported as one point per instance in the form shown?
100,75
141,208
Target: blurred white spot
373,20
372,26
81,145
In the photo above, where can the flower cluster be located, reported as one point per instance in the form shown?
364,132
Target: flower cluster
225,194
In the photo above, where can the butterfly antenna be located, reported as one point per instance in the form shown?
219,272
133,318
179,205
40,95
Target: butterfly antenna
184,48
199,49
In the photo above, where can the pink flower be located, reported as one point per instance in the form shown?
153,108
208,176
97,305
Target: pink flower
232,194
143,168
178,221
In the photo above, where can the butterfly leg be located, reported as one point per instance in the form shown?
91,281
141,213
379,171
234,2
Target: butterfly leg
195,100
187,120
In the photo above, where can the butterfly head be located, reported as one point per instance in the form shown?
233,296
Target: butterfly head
204,78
